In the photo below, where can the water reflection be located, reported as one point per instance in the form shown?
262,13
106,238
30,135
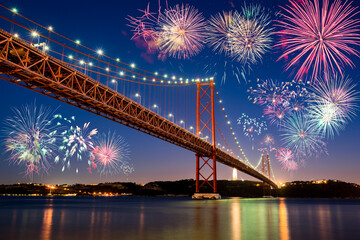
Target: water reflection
47,223
324,220
141,222
283,219
177,218
236,220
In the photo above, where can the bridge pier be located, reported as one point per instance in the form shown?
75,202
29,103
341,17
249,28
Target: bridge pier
205,121
203,196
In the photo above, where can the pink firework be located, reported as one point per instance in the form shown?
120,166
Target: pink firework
286,158
276,114
318,38
181,32
143,26
110,155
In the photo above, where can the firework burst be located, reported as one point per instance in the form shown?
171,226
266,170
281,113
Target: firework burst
111,155
302,137
319,38
76,141
286,158
250,35
251,126
267,144
31,138
280,99
218,31
144,26
181,32
333,104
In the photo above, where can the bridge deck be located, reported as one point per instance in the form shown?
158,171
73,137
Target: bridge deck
22,64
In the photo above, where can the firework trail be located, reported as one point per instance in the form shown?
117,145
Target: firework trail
250,35
218,65
31,138
181,32
319,39
251,126
302,137
76,141
333,104
286,158
111,154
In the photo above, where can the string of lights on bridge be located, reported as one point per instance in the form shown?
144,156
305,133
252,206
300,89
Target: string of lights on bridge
155,78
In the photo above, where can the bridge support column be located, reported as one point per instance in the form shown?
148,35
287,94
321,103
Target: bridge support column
265,167
205,129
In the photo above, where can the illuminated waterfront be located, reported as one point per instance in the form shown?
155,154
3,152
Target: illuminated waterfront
177,218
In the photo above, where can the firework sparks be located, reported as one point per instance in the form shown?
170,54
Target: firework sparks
320,39
250,35
76,141
218,34
334,104
31,138
111,155
268,144
144,26
218,31
181,32
280,99
251,126
302,137
286,158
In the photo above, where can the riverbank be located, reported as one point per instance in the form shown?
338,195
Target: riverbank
226,188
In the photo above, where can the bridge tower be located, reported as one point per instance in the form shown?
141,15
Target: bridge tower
205,124
265,168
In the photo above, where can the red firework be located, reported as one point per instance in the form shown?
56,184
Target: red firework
318,37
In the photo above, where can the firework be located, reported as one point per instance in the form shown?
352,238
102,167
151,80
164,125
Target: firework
216,63
181,32
274,97
218,34
298,95
269,92
286,158
276,114
251,126
302,137
31,138
320,39
333,104
250,35
218,31
268,144
280,99
144,26
76,141
111,154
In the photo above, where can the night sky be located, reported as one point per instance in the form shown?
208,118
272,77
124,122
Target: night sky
102,24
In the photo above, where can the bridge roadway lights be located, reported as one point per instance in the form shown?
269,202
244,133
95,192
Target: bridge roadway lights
203,196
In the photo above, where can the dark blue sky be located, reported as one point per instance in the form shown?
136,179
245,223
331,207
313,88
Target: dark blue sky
103,25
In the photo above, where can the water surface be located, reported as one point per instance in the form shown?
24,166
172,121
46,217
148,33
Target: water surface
88,218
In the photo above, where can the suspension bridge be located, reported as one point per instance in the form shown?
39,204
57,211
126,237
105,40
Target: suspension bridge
56,66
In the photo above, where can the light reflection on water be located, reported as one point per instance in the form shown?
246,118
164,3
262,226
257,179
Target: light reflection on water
178,218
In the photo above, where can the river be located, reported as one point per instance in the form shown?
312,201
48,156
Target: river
87,218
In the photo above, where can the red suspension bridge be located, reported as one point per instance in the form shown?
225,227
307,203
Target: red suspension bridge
58,67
